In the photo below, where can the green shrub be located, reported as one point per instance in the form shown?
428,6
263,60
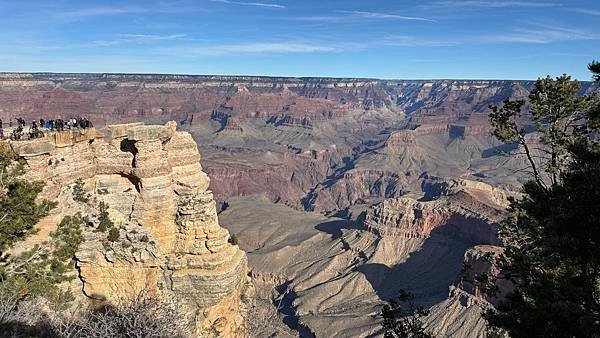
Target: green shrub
79,193
113,234
102,191
104,220
19,211
233,239
38,271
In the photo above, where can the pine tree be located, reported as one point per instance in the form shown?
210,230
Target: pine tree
552,236
35,272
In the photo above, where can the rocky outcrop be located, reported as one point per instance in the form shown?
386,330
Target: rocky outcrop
291,121
170,242
463,213
282,176
355,186
481,276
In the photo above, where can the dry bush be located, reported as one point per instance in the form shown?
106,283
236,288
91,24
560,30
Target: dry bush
143,316
19,318
263,318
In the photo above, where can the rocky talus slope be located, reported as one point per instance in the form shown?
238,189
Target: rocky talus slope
170,242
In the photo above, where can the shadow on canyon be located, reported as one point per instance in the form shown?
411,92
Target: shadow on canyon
334,228
427,273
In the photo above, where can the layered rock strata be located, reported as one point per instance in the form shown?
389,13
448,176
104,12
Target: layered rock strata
467,209
170,242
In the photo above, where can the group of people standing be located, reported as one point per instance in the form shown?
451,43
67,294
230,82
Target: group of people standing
35,129
72,123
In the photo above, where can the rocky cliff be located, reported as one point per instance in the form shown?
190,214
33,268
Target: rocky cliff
170,242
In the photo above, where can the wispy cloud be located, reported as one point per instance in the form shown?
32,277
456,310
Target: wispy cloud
585,11
384,16
79,14
137,38
531,34
411,41
493,4
98,11
354,16
257,48
256,4
543,34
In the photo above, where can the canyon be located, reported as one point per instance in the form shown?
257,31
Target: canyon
340,191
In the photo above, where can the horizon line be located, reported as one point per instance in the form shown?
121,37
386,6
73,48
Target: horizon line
276,76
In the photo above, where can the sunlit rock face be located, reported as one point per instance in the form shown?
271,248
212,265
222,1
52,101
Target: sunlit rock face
170,242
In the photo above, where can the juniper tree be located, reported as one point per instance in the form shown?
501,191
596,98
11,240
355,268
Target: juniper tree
552,236
19,211
38,270
402,318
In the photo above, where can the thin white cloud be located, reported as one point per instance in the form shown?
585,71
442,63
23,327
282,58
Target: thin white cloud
98,11
531,34
137,38
384,16
411,41
585,11
257,48
425,60
543,34
71,15
493,4
256,4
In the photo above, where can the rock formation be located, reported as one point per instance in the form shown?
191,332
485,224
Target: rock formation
170,242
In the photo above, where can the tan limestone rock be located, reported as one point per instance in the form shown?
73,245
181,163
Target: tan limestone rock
170,241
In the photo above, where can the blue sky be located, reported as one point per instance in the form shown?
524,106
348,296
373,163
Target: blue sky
472,39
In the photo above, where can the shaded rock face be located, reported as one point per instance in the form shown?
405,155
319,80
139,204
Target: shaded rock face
356,187
478,263
170,240
287,120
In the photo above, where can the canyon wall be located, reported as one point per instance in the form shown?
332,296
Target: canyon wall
170,242
302,101
284,137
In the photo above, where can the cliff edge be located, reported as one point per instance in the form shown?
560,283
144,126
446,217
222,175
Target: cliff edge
151,185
